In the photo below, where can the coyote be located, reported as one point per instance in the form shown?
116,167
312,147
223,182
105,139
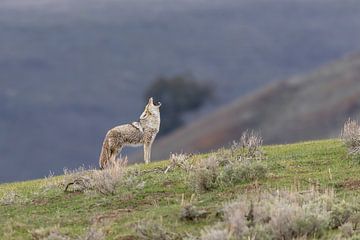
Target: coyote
133,134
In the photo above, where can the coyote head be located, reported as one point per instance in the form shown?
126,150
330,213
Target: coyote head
150,118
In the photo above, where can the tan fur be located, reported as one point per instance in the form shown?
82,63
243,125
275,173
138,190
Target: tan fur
136,133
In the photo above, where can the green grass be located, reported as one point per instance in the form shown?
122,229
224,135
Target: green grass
290,166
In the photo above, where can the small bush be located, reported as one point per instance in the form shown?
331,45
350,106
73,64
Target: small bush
351,136
341,213
180,160
203,176
149,230
215,233
243,162
9,198
242,172
103,181
52,233
346,230
93,233
284,215
248,148
189,212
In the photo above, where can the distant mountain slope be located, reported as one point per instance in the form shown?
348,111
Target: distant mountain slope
71,69
312,106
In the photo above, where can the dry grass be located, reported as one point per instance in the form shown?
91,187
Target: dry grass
189,212
350,135
283,215
9,198
204,174
53,233
248,148
215,233
150,230
93,233
180,160
103,181
243,162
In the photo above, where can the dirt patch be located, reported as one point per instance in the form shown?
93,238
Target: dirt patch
350,184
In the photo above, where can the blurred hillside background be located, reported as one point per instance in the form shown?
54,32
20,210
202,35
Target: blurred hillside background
72,69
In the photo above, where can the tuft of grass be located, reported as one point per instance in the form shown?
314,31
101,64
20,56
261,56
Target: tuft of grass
204,174
189,212
180,160
215,233
149,230
93,233
247,148
241,172
243,163
9,198
350,135
103,181
284,215
52,233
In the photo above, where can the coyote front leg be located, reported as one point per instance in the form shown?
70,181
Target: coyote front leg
147,152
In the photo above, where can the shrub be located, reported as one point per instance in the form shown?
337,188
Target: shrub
284,215
242,172
149,230
9,198
53,233
351,136
203,176
93,233
180,160
103,181
243,162
189,212
248,148
346,230
341,213
215,233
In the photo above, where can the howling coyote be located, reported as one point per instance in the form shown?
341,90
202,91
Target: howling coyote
133,134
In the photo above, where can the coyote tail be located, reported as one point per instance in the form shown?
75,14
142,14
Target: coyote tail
105,154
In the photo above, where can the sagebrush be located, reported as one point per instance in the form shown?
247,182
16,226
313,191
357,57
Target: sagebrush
243,162
350,135
103,181
284,215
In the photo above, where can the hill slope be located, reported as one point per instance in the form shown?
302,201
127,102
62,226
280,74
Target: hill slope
40,207
72,69
302,107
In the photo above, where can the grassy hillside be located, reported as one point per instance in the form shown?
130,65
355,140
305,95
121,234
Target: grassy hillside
34,209
303,107
72,69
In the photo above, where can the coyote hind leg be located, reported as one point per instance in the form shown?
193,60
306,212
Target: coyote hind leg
114,154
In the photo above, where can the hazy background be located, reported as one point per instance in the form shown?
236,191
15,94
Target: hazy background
72,69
